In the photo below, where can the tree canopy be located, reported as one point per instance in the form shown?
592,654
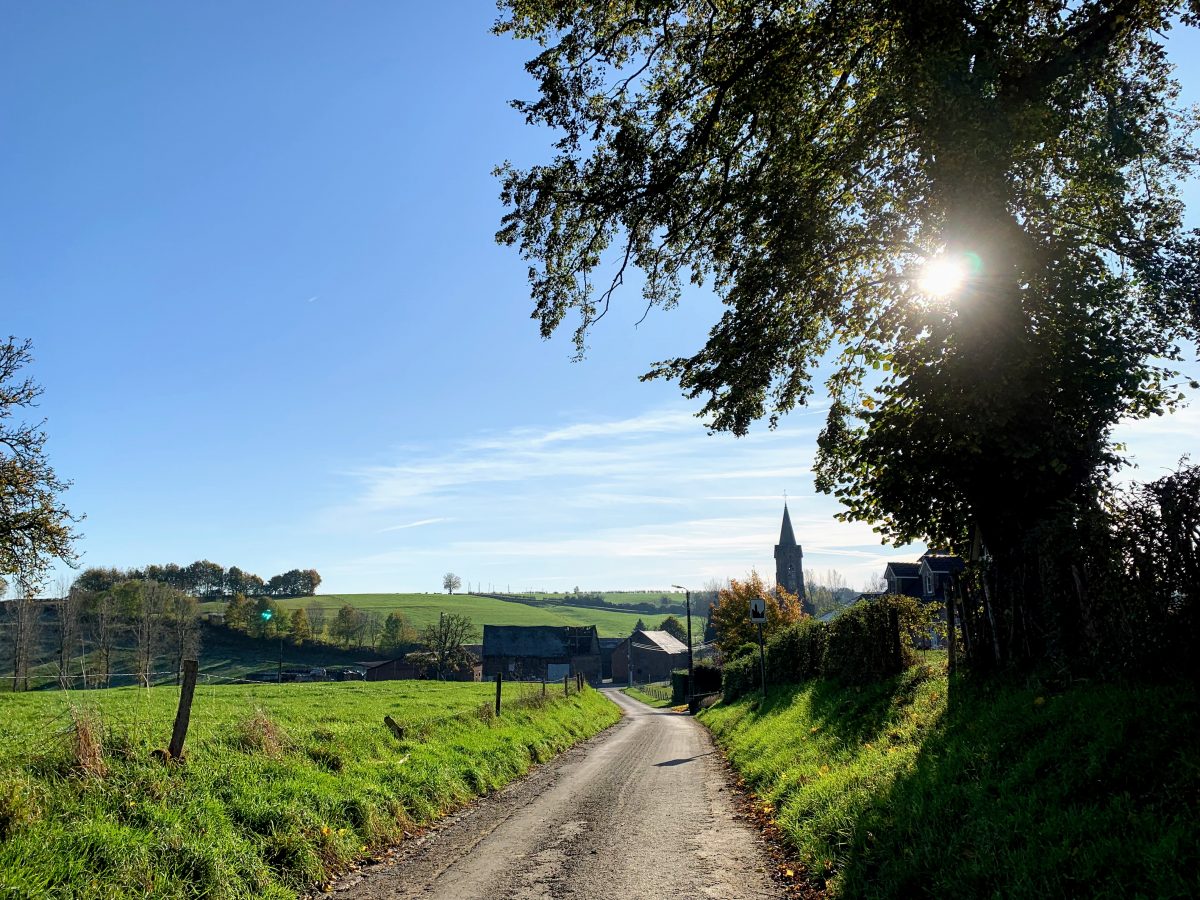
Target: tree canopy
35,525
965,214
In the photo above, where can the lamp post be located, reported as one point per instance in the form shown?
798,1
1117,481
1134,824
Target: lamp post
691,687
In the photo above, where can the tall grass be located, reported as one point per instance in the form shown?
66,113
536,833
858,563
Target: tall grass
916,786
282,785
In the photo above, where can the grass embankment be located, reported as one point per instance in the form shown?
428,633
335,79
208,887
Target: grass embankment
656,702
905,788
282,786
423,609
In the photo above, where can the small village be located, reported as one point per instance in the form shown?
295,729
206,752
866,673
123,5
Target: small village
562,450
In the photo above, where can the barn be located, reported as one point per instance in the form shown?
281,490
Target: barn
541,651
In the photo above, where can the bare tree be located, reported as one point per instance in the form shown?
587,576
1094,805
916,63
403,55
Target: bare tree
451,582
24,615
100,625
142,605
445,640
373,625
70,613
316,618
182,624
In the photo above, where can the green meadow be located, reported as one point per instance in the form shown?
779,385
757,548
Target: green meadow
922,786
423,609
282,786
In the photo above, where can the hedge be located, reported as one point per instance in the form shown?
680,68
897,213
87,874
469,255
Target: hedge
869,641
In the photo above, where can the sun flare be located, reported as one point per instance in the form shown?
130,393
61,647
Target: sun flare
942,276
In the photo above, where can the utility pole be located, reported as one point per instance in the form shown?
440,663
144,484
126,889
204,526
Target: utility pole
691,684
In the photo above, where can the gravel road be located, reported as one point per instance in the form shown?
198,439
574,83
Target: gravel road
641,811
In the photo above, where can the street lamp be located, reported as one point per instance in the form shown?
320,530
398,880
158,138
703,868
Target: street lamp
691,686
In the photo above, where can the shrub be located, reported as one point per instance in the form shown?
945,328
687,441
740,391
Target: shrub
797,653
679,687
708,678
741,676
864,642
750,648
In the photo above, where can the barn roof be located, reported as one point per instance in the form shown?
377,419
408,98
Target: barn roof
537,641
662,640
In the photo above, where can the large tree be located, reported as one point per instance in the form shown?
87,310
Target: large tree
35,525
966,210
444,640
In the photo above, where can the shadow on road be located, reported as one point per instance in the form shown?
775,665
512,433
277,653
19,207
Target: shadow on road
680,762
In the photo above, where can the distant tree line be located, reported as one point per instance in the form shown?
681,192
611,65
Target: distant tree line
349,627
206,579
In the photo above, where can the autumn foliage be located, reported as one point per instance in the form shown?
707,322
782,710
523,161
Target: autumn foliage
731,613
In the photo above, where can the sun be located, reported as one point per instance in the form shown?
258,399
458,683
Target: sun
942,276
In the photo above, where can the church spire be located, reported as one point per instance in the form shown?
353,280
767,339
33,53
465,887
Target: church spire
787,537
789,561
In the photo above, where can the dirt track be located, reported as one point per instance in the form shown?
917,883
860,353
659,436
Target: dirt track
641,811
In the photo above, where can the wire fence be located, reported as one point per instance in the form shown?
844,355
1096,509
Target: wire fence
40,728
658,690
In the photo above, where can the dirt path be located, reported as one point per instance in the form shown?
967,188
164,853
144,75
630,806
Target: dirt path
642,811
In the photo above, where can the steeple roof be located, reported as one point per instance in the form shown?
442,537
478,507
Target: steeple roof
787,538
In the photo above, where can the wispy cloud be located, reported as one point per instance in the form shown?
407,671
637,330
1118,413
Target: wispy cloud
625,500
416,524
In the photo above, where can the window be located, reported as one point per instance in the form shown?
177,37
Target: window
928,584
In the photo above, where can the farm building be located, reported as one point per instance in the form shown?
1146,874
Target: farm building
652,655
401,669
541,651
607,646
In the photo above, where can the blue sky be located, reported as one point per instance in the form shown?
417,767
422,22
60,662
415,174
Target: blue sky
252,244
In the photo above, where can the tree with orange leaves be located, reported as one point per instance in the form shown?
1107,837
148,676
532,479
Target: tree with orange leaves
731,613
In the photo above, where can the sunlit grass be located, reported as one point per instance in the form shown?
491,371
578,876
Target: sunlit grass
891,791
282,784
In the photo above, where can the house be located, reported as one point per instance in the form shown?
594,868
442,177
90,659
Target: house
903,578
527,652
651,655
926,579
937,572
929,579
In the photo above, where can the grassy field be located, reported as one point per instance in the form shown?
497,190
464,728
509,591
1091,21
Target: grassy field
282,786
423,609
917,787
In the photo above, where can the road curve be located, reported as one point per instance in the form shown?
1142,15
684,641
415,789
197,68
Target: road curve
642,811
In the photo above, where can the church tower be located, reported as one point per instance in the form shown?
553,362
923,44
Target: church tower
789,560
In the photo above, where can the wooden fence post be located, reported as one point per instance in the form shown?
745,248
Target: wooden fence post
543,688
499,682
566,688
184,713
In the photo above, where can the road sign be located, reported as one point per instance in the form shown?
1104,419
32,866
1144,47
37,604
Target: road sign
758,610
